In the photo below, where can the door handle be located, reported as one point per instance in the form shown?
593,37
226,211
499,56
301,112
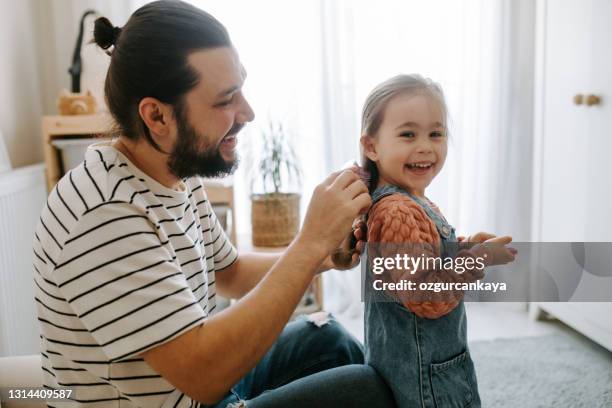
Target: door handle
593,100
578,99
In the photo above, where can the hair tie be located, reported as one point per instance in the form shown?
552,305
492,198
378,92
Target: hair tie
116,33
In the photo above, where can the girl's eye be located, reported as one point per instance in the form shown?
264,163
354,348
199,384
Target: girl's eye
407,134
436,134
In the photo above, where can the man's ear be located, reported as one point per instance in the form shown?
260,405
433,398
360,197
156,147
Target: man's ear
158,117
368,144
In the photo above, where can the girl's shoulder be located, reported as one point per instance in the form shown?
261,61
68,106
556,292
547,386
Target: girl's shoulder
396,204
391,190
396,217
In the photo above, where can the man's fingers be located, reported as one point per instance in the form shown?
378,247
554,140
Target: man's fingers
354,259
343,180
358,233
330,179
362,202
355,188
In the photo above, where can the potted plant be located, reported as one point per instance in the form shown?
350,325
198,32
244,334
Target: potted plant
275,213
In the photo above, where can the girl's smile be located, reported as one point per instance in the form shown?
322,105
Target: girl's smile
419,168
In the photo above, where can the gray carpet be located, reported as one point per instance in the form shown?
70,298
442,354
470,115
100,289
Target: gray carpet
563,370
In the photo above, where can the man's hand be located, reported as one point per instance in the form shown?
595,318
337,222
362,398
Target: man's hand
335,203
358,234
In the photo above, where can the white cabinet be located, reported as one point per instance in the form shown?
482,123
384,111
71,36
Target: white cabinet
573,142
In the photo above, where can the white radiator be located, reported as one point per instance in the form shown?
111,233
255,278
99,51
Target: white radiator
22,196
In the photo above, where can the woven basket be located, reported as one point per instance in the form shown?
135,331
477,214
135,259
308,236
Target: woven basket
275,218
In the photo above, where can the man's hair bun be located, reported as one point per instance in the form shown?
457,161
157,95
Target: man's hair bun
105,34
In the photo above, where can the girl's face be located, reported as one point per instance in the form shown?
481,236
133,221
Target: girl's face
410,146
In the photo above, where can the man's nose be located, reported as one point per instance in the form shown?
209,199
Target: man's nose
246,113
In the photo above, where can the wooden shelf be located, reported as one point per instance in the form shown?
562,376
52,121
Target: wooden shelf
61,127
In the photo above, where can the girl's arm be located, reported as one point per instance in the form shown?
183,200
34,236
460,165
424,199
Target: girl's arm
399,226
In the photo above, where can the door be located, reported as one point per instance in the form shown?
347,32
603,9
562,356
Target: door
566,70
575,199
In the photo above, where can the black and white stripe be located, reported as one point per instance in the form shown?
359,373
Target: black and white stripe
121,264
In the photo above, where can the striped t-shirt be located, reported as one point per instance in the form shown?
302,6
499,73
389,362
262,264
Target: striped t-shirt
121,264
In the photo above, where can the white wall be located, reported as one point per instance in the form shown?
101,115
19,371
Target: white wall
20,90
37,38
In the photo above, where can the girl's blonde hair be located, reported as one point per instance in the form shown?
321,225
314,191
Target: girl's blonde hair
375,104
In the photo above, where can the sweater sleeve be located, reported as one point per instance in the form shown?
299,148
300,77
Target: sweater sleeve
399,226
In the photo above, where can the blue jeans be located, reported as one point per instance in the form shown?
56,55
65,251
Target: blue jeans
311,366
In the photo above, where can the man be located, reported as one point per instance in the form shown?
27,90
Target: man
129,254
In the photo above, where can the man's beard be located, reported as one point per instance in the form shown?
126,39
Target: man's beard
186,159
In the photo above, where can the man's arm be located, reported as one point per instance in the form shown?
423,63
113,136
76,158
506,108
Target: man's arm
248,270
244,274
206,361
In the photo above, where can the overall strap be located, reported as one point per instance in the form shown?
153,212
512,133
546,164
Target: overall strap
446,231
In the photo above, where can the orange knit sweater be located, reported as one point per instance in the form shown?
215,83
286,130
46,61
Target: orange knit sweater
397,219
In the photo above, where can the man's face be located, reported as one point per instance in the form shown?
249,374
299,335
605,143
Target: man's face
211,116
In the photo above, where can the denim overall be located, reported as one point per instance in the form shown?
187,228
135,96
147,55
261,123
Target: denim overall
425,362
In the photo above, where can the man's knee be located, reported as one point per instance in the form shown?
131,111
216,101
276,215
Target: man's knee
332,337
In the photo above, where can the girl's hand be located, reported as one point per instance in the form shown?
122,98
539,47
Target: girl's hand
479,237
495,251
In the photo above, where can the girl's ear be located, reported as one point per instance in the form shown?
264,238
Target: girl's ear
368,144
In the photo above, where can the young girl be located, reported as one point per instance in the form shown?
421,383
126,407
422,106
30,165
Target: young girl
417,341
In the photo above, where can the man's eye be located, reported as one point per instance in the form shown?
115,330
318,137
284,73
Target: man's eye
225,103
407,134
436,134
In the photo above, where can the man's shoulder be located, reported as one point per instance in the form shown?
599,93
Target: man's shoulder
92,181
96,183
